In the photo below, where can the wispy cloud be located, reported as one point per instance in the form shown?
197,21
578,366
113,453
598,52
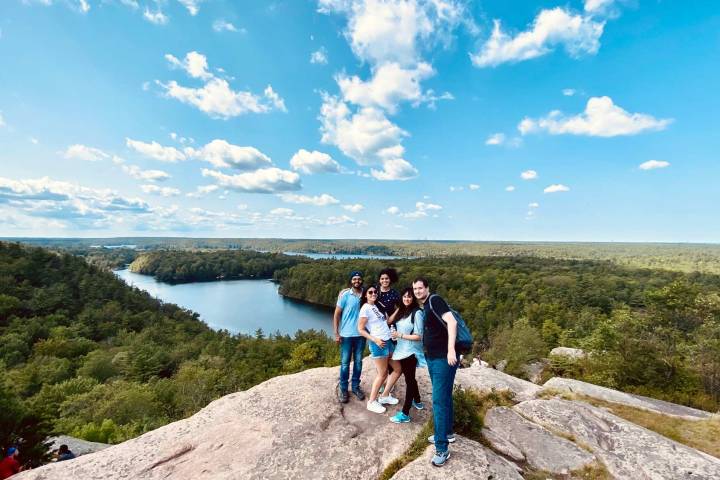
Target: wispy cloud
601,118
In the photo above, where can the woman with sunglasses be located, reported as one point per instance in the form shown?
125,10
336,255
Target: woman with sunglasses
373,325
408,333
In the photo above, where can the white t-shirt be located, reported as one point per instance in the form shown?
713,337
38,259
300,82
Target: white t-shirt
376,324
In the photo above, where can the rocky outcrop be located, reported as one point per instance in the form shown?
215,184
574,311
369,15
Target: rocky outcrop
567,352
534,371
76,445
289,427
558,384
489,379
541,448
468,459
627,450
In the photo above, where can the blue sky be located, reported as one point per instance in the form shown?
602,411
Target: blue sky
590,120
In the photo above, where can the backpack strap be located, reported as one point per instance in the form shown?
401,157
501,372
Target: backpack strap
433,310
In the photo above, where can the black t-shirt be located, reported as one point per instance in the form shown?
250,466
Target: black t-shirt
435,335
388,301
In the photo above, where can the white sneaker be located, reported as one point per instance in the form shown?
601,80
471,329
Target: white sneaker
389,400
376,407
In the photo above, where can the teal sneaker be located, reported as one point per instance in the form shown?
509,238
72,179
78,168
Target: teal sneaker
400,417
418,405
440,458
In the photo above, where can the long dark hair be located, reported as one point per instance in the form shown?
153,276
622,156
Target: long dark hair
406,310
363,298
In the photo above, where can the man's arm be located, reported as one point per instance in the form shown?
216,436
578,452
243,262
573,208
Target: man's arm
336,323
449,319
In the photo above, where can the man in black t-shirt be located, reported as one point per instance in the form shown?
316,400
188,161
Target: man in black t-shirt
439,333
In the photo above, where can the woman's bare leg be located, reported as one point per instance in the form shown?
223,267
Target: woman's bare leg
381,367
393,377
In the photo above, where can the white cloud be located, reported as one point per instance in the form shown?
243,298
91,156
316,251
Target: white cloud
222,154
578,34
568,92
33,140
164,191
392,210
193,6
83,152
265,180
653,164
382,31
2,120
202,190
601,118
313,162
597,6
156,151
158,17
218,100
390,84
533,205
221,25
215,97
495,139
130,3
510,188
67,202
456,189
558,187
368,137
146,175
195,64
356,208
318,200
282,212
529,175
474,186
319,56
424,207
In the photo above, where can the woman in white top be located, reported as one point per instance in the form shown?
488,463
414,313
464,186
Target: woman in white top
373,325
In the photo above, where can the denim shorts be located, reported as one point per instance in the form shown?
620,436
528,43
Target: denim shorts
377,352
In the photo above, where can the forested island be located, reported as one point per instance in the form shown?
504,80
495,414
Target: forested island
186,266
84,354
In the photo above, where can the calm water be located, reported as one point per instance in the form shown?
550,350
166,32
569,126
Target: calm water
239,306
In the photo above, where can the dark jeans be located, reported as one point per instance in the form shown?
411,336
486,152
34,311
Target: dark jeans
442,377
411,387
351,347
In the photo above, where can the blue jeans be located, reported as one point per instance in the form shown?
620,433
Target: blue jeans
351,347
442,377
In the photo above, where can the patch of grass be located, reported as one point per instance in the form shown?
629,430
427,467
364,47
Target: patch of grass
699,434
595,471
469,407
552,392
416,448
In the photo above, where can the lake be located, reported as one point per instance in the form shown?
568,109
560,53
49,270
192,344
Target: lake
239,306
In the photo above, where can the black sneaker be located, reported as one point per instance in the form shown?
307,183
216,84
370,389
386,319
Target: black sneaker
359,393
343,396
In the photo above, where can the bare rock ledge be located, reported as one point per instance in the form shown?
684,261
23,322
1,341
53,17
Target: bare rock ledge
615,396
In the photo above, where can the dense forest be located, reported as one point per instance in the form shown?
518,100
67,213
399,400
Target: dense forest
84,354
187,266
682,257
652,332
